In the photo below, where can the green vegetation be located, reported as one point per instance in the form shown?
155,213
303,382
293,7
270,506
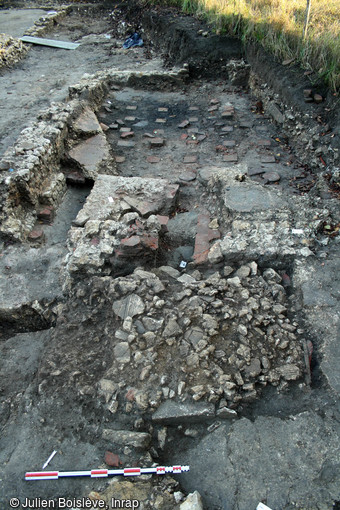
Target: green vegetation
278,25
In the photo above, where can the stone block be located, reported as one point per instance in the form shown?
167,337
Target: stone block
178,412
93,156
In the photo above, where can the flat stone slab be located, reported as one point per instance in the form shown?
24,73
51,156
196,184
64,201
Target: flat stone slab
93,156
87,123
240,198
21,274
178,412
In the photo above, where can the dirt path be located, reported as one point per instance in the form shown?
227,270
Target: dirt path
178,302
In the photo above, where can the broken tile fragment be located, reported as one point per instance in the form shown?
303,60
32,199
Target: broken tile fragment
36,235
153,159
126,143
127,134
187,176
157,142
190,159
229,143
268,158
213,108
271,176
230,158
184,124
93,156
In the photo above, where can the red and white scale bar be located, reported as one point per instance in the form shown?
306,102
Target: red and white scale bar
102,473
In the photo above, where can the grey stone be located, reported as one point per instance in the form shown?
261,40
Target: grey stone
176,412
245,199
152,324
174,273
289,372
270,275
243,272
129,307
215,254
122,352
172,329
194,335
192,502
254,369
234,282
138,440
186,278
274,111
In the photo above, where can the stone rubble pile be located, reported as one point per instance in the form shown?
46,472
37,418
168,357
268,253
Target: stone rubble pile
216,338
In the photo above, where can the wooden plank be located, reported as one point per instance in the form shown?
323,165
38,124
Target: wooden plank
49,42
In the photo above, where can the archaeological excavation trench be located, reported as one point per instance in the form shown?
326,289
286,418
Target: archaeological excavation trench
169,270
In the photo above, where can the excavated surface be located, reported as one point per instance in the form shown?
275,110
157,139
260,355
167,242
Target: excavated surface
178,277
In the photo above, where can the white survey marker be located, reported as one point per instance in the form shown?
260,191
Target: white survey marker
65,45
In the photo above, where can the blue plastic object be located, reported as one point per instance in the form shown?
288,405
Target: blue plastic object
134,40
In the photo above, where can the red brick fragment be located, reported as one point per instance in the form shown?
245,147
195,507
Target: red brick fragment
130,242
130,396
112,459
153,159
183,124
46,214
127,134
220,148
163,220
156,142
36,235
150,241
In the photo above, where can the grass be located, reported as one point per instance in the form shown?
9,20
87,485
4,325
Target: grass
278,25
